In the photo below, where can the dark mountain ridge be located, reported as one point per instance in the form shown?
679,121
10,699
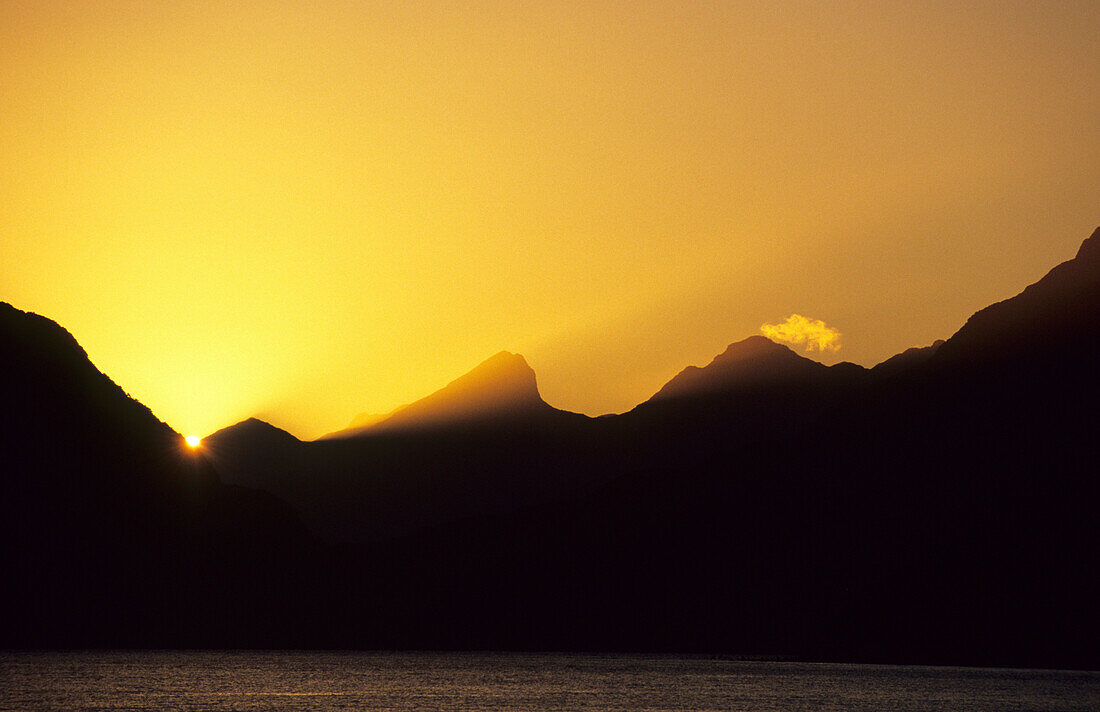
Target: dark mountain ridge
907,359
452,454
755,362
107,519
501,388
939,509
1057,314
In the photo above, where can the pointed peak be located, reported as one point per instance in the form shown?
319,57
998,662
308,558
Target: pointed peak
503,362
748,363
502,385
250,427
254,423
504,375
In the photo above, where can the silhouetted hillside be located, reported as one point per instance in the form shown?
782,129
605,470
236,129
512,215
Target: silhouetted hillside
113,532
755,363
1056,315
755,391
906,359
938,508
944,514
485,444
256,434
500,388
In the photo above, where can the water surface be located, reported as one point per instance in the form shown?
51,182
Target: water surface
315,681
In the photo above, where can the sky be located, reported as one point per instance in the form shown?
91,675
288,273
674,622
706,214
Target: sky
306,211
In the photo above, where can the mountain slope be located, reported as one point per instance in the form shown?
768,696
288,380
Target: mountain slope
756,362
112,530
907,359
486,443
944,514
500,388
252,435
1057,314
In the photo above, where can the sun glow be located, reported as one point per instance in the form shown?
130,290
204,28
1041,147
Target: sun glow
193,441
613,190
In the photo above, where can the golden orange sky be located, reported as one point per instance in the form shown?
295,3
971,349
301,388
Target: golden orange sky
304,211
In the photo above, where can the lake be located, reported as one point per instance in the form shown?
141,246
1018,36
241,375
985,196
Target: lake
315,681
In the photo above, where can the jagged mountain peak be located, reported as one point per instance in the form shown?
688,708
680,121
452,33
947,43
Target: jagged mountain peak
502,385
750,362
503,372
502,382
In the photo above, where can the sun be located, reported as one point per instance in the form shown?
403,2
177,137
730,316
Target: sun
193,441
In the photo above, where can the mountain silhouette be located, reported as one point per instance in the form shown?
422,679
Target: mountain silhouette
938,508
501,387
946,513
907,359
113,531
943,513
485,443
1057,314
260,434
752,363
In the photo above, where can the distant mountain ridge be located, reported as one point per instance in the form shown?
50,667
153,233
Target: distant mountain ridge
907,359
753,362
763,388
939,508
501,387
929,509
1058,312
504,385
